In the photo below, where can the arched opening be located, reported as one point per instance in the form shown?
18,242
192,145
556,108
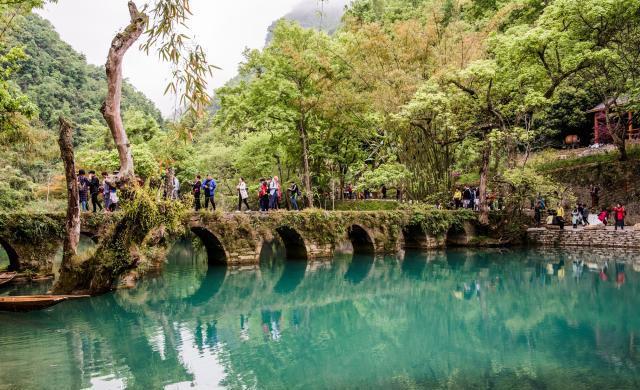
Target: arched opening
359,268
216,254
361,240
415,237
457,236
293,243
8,257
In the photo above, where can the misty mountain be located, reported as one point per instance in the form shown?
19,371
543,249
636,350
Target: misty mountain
325,15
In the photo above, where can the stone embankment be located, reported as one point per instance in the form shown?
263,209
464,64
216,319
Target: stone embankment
585,237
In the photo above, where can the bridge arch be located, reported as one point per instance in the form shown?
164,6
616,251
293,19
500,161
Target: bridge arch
457,235
294,243
14,260
415,237
216,253
361,239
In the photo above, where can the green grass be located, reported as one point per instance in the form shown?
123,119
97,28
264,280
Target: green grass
549,161
366,205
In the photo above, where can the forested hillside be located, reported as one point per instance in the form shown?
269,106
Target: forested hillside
52,79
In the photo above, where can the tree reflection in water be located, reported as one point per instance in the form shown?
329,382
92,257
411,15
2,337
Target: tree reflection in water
458,318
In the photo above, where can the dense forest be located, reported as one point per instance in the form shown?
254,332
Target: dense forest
420,95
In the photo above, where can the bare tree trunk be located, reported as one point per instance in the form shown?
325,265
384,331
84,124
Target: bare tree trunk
484,173
306,177
111,107
72,226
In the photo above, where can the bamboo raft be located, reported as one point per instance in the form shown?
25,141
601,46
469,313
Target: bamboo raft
33,302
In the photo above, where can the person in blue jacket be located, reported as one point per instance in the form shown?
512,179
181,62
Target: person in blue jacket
209,187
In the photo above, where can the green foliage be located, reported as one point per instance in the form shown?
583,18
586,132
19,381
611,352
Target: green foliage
146,163
390,174
29,227
366,205
526,183
439,222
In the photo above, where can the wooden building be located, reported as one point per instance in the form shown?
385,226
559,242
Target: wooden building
602,132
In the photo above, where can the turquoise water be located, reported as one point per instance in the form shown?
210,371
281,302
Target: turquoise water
450,319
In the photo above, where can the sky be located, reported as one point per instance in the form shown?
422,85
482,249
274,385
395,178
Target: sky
224,28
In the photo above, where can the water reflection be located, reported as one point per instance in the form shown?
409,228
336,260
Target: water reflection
359,268
457,318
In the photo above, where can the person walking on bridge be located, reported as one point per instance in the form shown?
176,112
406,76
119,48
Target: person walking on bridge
106,192
94,190
209,187
83,190
195,190
243,195
274,189
294,192
263,195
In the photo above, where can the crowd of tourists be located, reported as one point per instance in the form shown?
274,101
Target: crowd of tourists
269,194
581,213
102,193
469,198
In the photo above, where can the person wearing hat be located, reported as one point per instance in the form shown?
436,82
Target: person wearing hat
83,190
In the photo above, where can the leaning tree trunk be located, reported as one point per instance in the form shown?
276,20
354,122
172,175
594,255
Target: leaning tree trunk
484,174
111,107
72,226
306,176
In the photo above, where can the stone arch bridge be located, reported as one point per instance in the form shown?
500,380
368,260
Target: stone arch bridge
32,241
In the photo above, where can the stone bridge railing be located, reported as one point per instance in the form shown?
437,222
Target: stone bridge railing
33,241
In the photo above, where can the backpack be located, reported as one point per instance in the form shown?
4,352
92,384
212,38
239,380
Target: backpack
298,192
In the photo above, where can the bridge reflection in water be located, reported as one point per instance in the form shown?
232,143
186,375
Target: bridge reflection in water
460,317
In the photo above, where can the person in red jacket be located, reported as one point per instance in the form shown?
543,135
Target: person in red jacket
619,213
604,216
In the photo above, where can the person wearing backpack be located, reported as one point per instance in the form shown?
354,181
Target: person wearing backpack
209,187
294,192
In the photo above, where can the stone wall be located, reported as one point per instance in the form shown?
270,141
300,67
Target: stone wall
604,238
